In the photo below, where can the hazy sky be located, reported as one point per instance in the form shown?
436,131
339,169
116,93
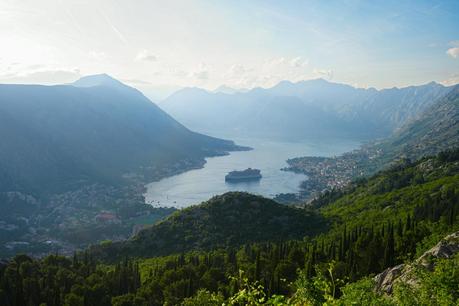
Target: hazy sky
165,44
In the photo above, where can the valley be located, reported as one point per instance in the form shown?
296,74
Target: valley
229,153
116,206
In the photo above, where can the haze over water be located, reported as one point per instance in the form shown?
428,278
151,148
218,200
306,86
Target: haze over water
195,186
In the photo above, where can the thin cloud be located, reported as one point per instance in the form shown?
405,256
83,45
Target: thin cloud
146,56
453,80
299,62
114,28
202,73
45,77
71,17
136,82
323,73
267,73
454,51
237,70
98,55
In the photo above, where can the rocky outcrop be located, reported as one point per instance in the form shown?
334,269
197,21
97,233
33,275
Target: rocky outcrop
385,280
446,248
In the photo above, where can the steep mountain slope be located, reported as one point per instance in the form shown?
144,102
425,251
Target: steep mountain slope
436,129
396,107
56,136
229,220
295,111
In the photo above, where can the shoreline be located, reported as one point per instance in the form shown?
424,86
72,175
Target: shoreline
332,173
181,167
92,213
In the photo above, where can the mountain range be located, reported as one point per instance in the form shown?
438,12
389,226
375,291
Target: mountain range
77,147
94,130
302,110
235,247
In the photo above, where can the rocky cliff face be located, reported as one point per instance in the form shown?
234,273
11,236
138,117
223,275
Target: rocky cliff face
446,248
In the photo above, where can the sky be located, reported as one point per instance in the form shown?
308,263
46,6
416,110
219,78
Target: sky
159,46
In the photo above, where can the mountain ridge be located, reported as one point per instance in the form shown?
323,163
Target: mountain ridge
112,128
330,109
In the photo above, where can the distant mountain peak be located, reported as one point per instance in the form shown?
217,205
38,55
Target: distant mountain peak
435,84
319,80
102,79
190,91
285,82
288,87
225,89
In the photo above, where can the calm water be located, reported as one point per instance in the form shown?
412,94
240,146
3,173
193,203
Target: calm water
195,186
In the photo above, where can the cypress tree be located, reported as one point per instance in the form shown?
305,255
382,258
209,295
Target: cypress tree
408,223
451,216
400,228
340,250
389,249
257,266
344,235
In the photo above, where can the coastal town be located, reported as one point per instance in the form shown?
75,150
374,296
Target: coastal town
328,173
72,220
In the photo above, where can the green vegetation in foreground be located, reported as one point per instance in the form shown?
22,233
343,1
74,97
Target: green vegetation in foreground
377,223
60,281
229,220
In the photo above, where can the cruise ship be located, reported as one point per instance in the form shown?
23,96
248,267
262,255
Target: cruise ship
248,174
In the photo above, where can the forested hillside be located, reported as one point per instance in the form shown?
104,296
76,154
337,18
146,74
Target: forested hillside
229,220
390,218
